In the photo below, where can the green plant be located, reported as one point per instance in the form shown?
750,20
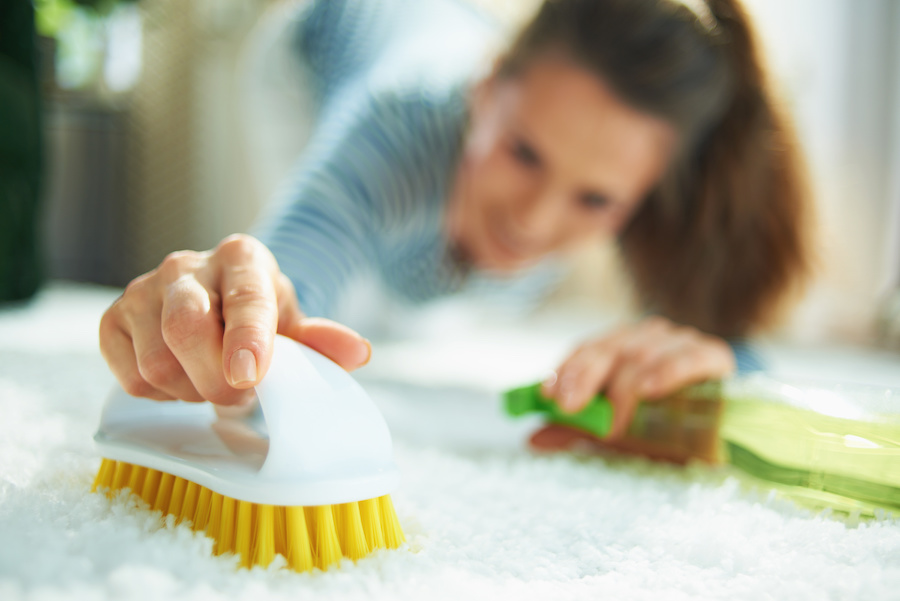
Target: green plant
51,16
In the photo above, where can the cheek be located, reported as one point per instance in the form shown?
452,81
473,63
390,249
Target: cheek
500,182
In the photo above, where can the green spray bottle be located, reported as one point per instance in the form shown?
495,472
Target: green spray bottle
823,444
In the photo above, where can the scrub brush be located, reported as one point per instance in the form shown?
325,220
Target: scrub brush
824,444
309,478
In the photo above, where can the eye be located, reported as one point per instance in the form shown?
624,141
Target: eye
595,200
525,154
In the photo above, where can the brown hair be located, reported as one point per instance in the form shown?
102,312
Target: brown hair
721,241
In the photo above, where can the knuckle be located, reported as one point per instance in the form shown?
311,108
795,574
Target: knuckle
175,264
139,282
136,300
159,369
642,354
238,248
250,294
109,324
137,288
674,370
181,323
667,373
593,348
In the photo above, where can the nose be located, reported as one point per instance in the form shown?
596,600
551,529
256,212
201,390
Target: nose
539,216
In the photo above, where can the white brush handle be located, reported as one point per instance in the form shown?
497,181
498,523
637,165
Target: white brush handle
319,418
327,442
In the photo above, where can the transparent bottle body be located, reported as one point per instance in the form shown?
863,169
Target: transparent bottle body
823,443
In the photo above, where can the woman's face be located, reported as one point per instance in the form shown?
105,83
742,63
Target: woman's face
553,161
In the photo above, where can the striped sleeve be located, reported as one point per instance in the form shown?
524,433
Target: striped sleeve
360,185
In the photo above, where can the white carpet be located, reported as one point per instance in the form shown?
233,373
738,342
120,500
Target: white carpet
484,517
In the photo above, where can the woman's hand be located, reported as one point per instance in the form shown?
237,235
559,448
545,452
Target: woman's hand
201,326
645,361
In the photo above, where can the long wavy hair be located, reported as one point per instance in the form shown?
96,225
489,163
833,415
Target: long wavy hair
722,241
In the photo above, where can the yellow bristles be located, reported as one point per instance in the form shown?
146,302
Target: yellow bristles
151,486
201,516
352,535
298,543
307,537
393,533
280,534
264,543
164,494
136,480
190,502
328,547
214,524
371,523
104,475
120,478
226,529
243,535
178,490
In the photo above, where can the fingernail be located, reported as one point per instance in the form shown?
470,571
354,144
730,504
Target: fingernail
547,384
567,401
566,392
369,353
648,387
243,367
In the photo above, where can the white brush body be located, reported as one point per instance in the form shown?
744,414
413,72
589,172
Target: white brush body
320,439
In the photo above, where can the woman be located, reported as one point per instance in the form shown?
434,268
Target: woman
649,121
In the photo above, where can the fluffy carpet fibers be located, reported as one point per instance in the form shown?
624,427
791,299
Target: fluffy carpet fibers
484,517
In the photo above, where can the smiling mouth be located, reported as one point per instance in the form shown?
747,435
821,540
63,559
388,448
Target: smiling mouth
509,252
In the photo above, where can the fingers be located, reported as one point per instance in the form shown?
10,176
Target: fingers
140,360
192,330
156,363
643,362
701,359
202,326
594,365
118,351
580,377
172,320
249,309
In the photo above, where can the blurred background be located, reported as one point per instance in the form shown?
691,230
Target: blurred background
125,137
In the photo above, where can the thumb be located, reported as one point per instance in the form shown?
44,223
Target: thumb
337,342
